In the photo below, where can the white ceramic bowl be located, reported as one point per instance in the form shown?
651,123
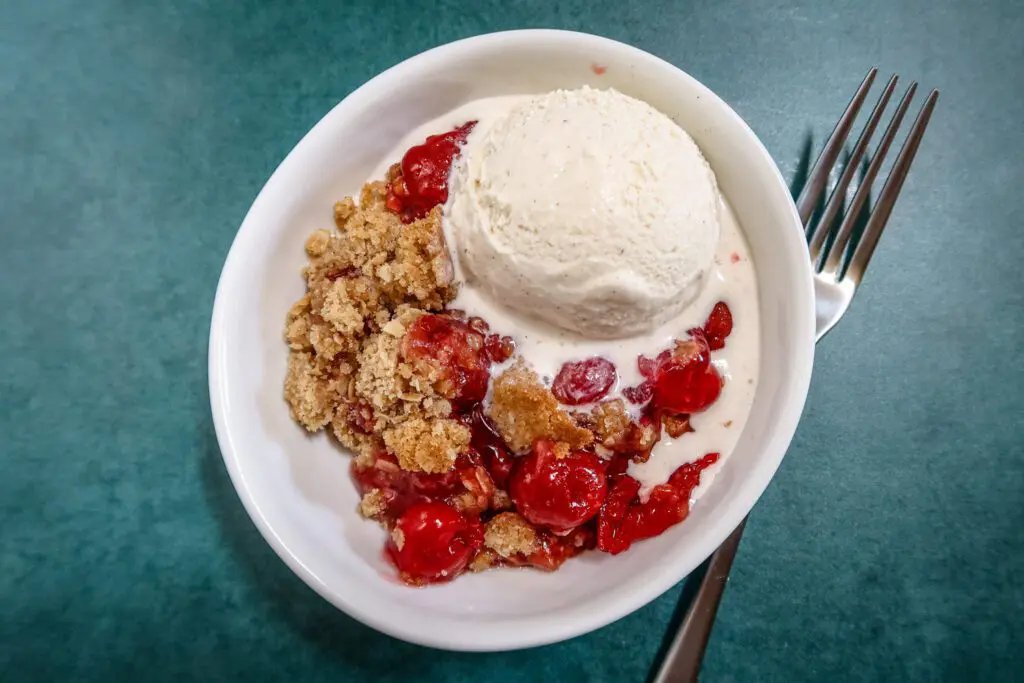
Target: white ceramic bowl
296,488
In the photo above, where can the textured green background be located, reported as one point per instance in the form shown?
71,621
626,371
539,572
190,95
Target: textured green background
134,135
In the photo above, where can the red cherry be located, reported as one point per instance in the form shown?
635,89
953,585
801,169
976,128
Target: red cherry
584,381
454,347
479,324
668,504
665,508
499,348
718,326
499,464
434,543
640,394
558,493
423,182
612,514
687,382
686,387
649,366
687,477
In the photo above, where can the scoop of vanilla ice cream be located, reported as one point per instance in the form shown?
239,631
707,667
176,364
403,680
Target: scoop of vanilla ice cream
585,208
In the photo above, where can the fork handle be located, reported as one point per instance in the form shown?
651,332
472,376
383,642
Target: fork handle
684,655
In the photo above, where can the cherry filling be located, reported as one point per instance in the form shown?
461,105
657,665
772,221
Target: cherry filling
682,380
559,493
584,381
467,486
421,182
497,458
718,326
499,348
454,349
623,519
432,543
555,549
683,388
686,382
639,394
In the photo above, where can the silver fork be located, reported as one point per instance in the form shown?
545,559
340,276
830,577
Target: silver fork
840,257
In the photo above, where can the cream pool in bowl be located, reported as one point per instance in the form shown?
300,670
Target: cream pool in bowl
297,487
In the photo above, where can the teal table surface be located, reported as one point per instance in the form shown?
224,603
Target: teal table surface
134,136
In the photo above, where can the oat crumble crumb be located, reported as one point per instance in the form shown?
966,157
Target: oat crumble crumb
424,445
398,537
611,422
343,210
317,243
484,560
509,534
365,459
296,329
676,425
363,445
500,500
372,506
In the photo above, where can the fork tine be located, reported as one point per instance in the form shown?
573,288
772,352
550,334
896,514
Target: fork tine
835,202
818,177
835,253
890,191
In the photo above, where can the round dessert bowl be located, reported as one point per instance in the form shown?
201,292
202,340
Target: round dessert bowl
297,488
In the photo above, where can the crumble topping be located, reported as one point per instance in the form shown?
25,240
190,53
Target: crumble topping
676,425
366,281
398,537
427,445
345,428
409,262
484,560
313,391
373,504
616,432
610,422
500,500
524,410
509,534
383,378
296,329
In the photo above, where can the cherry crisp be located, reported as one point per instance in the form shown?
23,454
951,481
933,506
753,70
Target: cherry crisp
528,478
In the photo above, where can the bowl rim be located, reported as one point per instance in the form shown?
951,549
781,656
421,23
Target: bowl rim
553,629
